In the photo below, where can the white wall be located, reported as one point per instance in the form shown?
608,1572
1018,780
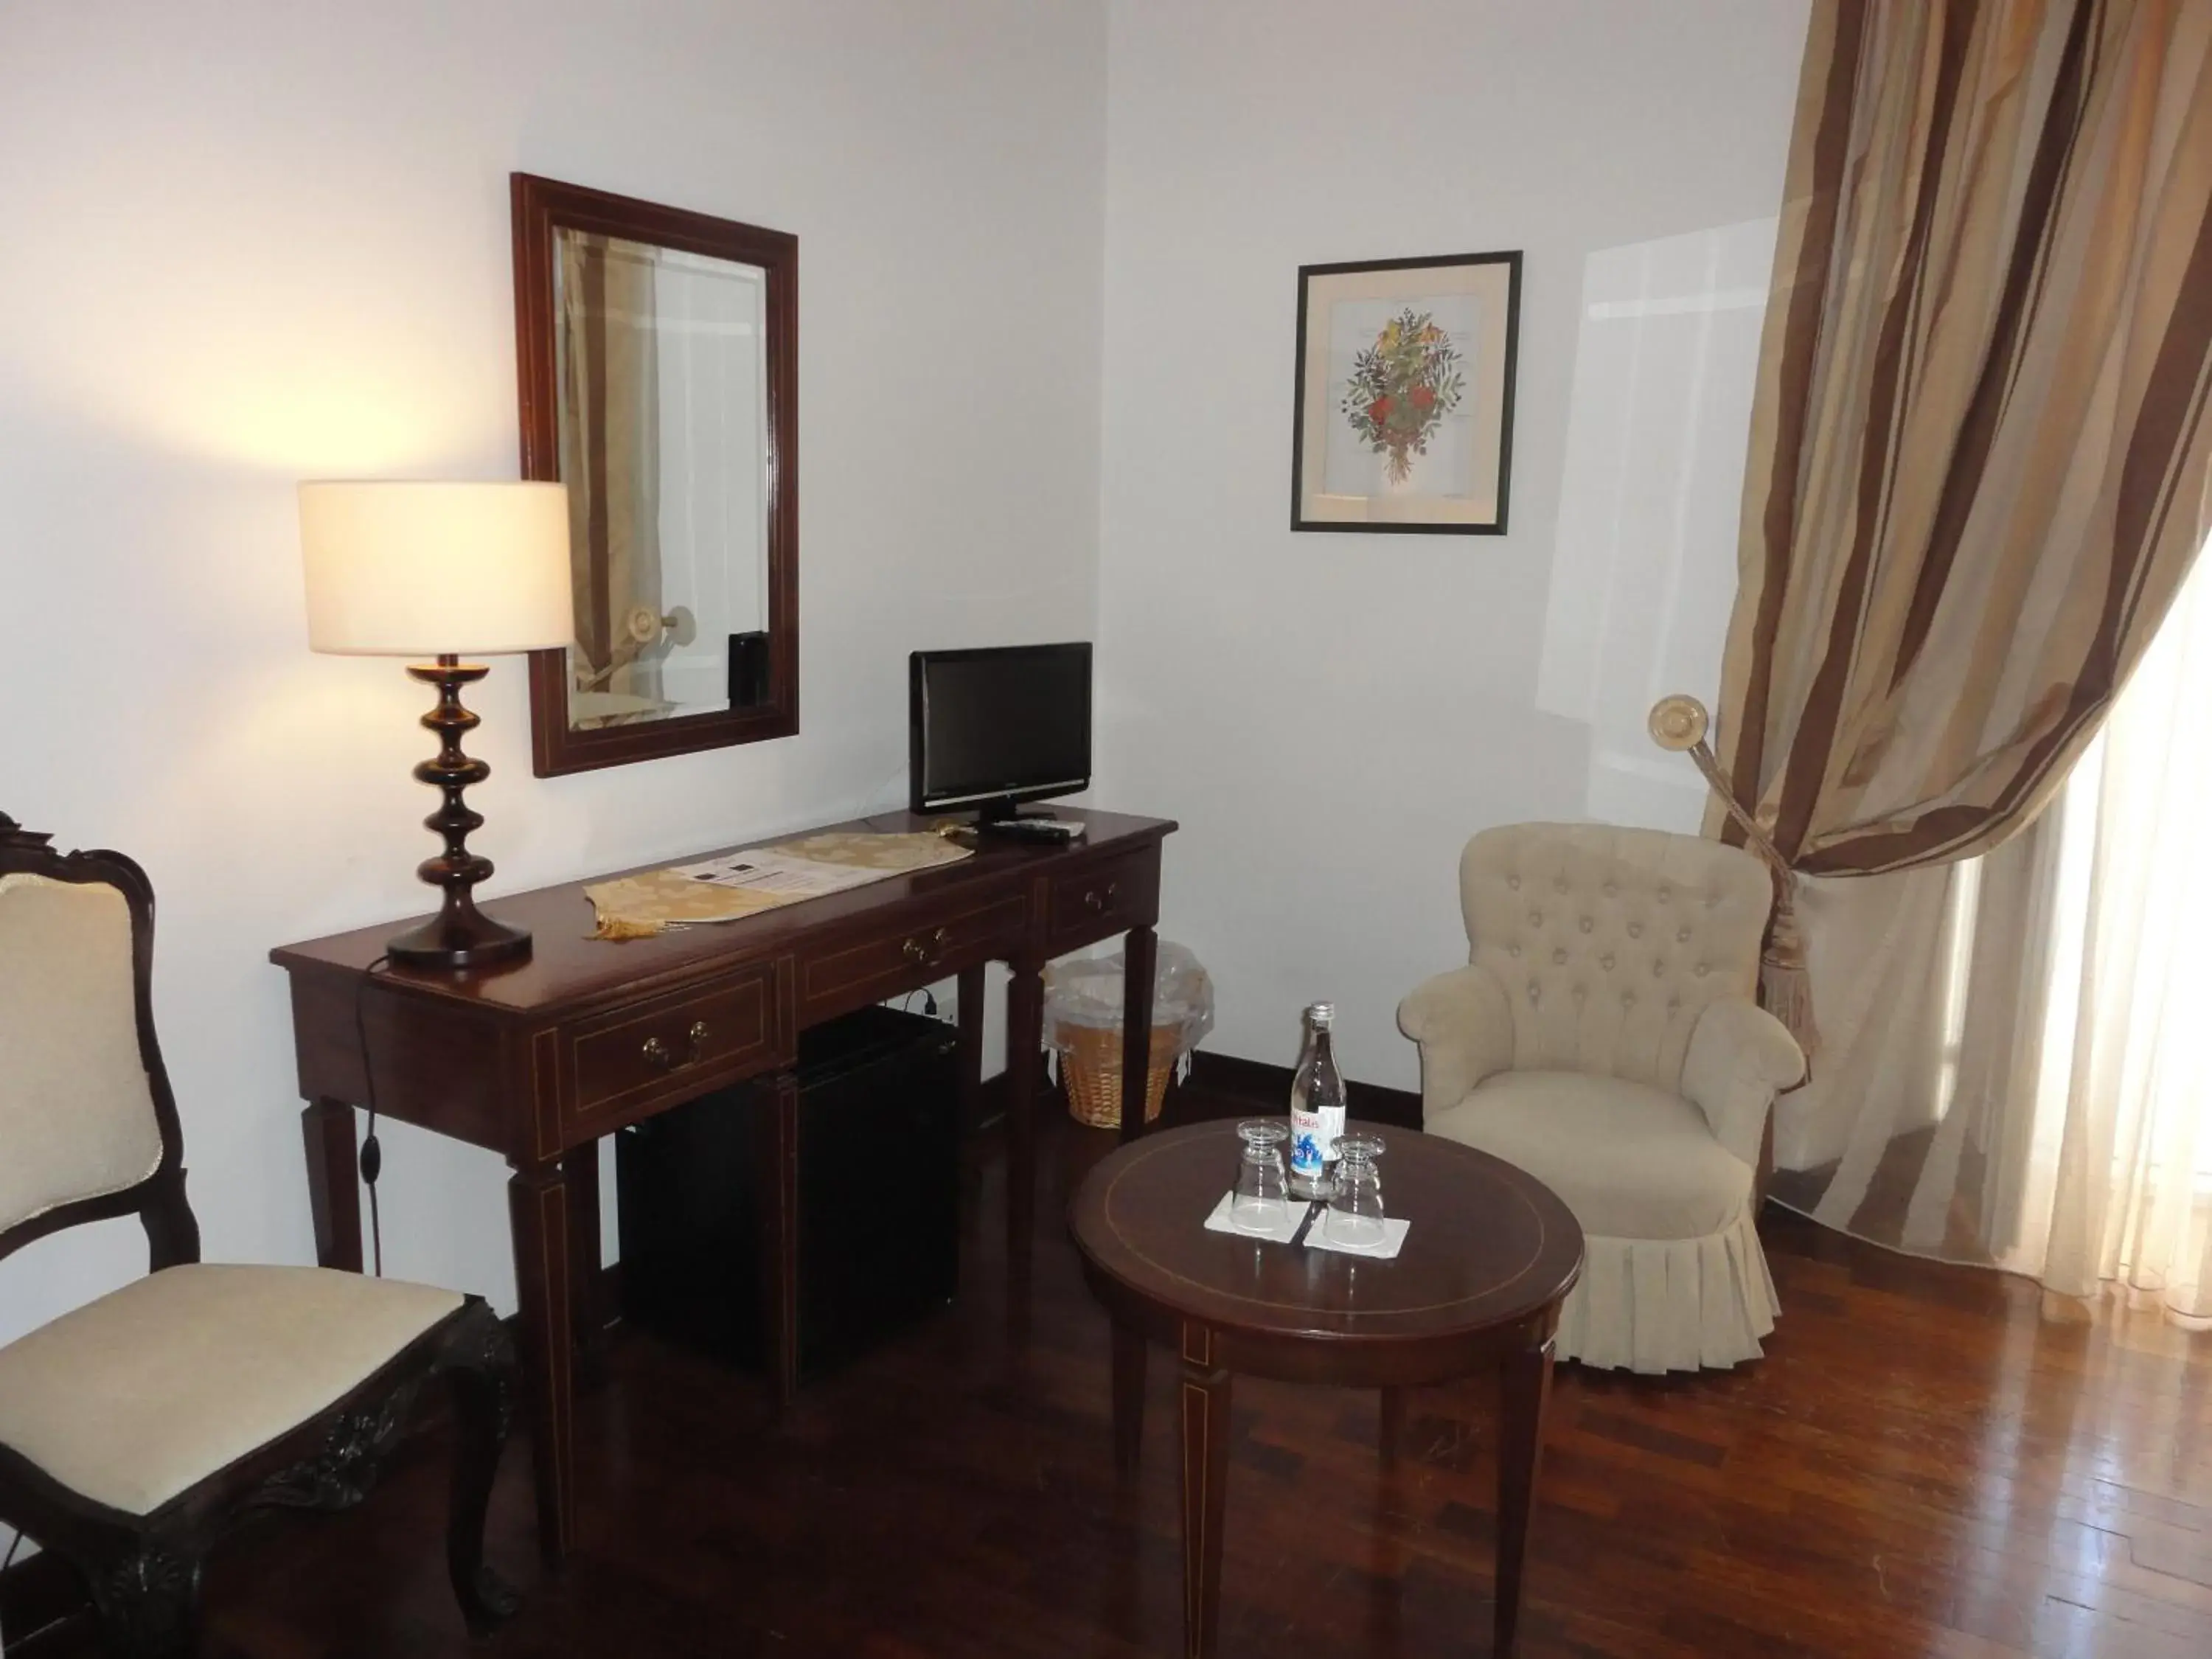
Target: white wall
253,240
1331,715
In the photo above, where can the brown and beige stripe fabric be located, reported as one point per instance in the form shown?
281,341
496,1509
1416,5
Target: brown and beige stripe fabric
1980,444
608,368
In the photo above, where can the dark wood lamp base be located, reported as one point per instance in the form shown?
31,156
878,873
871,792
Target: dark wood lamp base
459,935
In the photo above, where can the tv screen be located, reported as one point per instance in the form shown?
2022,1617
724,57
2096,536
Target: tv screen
998,726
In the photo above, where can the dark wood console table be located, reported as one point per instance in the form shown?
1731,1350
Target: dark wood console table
539,1059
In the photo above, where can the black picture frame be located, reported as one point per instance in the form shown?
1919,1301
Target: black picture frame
1304,397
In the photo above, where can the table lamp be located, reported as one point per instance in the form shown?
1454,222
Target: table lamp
442,570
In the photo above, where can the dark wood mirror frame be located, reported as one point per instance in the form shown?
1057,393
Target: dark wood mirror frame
541,205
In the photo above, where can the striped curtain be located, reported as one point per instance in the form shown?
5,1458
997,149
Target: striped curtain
1980,444
606,357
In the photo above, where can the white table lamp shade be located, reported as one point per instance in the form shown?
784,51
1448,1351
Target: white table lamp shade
420,570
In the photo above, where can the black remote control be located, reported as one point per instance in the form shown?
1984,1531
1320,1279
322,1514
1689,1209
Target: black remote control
1049,829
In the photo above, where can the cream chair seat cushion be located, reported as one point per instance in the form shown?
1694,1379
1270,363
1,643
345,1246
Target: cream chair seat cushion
1673,1278
1630,1160
144,1394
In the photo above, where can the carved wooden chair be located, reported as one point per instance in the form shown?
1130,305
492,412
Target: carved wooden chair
135,1431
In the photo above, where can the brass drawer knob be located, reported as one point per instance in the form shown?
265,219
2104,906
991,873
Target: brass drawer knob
1096,901
922,949
662,1058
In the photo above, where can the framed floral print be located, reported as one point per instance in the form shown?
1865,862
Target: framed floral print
1404,421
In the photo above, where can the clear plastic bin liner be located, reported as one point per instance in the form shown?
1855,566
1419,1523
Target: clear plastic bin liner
1085,995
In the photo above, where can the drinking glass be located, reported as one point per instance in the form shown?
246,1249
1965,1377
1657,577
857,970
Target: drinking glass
1355,1207
1263,1203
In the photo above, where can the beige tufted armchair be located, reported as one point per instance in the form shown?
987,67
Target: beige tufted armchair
1603,1037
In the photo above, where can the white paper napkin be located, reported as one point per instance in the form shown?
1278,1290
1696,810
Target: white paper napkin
1394,1230
1219,1221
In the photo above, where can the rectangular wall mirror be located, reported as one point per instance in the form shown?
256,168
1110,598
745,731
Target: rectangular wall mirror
659,366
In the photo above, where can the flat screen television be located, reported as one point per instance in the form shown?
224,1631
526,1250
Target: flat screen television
990,729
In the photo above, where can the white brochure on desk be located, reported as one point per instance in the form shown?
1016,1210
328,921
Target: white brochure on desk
765,869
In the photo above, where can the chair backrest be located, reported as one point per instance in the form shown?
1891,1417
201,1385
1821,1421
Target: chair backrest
87,1126
1611,942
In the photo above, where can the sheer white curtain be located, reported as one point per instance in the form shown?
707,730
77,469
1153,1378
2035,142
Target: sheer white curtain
2019,1064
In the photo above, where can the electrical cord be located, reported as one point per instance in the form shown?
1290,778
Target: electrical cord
372,1150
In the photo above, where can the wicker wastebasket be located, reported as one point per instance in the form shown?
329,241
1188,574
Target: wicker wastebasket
1090,1066
1083,1024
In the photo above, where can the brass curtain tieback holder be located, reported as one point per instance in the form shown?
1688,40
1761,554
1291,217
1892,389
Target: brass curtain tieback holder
1680,723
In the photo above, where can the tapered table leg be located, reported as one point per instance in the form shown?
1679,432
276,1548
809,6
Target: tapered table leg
579,1168
1525,1384
537,1207
1128,1396
1393,1431
970,1053
1205,1393
1139,957
1025,1044
775,1201
333,1182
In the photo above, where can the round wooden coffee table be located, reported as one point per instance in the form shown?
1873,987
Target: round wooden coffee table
1476,1286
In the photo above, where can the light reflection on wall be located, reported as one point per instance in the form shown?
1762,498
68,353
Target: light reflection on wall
268,367
1644,570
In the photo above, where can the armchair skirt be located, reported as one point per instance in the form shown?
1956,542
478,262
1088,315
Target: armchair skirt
1673,1275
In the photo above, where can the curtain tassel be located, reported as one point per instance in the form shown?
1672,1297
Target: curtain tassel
1785,989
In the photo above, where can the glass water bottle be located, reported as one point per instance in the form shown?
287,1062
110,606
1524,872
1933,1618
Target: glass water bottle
1317,1108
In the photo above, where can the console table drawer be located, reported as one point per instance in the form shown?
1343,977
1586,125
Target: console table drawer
1109,899
912,956
632,1052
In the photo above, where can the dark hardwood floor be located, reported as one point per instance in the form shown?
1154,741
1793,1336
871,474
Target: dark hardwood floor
1927,1463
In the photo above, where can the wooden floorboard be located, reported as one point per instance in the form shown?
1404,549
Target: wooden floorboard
1930,1461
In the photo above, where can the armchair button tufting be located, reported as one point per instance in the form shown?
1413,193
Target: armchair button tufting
1611,888
1587,924
1635,930
1606,962
1658,967
1701,971
1559,957
1666,894
1513,951
1582,993
1535,918
1628,999
1681,936
1534,993
1513,882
